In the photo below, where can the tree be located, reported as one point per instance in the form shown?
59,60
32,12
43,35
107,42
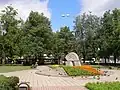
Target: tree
67,39
63,41
9,25
0,43
37,35
116,33
86,26
109,34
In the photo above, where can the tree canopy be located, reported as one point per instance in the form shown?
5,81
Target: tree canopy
35,37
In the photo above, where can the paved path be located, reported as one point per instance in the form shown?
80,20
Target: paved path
60,88
47,71
39,82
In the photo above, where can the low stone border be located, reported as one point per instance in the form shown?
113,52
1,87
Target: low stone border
107,73
38,73
57,75
82,78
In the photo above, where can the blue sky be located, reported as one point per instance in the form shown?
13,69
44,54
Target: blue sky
59,7
53,9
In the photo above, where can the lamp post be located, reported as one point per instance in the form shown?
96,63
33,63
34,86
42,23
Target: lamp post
98,58
65,16
98,62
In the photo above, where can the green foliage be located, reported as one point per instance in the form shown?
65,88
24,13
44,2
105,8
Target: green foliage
103,86
35,37
86,26
30,38
63,42
8,83
13,81
10,38
76,71
93,32
109,34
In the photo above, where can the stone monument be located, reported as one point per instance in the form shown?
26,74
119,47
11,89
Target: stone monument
72,59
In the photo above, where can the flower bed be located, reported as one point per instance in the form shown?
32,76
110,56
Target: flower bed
76,71
89,69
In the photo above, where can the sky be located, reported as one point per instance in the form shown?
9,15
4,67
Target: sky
53,9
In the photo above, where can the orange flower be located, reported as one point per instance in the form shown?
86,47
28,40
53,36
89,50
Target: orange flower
89,69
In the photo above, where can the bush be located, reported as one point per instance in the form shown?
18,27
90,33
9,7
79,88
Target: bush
8,83
13,80
5,86
76,71
103,86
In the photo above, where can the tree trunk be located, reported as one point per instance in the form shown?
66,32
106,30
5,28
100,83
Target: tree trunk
114,59
59,60
109,59
4,58
105,61
84,58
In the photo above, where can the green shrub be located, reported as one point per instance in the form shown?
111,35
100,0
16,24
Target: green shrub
8,83
13,80
103,86
76,71
3,78
4,85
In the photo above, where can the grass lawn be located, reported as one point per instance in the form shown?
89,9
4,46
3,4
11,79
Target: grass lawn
54,66
4,69
103,86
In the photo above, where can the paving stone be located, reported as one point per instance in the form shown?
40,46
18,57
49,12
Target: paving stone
59,88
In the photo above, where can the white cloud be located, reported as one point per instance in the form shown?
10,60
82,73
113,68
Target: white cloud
25,6
98,7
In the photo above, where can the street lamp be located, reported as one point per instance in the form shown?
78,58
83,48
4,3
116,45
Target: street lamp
65,15
98,49
98,58
62,15
98,63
